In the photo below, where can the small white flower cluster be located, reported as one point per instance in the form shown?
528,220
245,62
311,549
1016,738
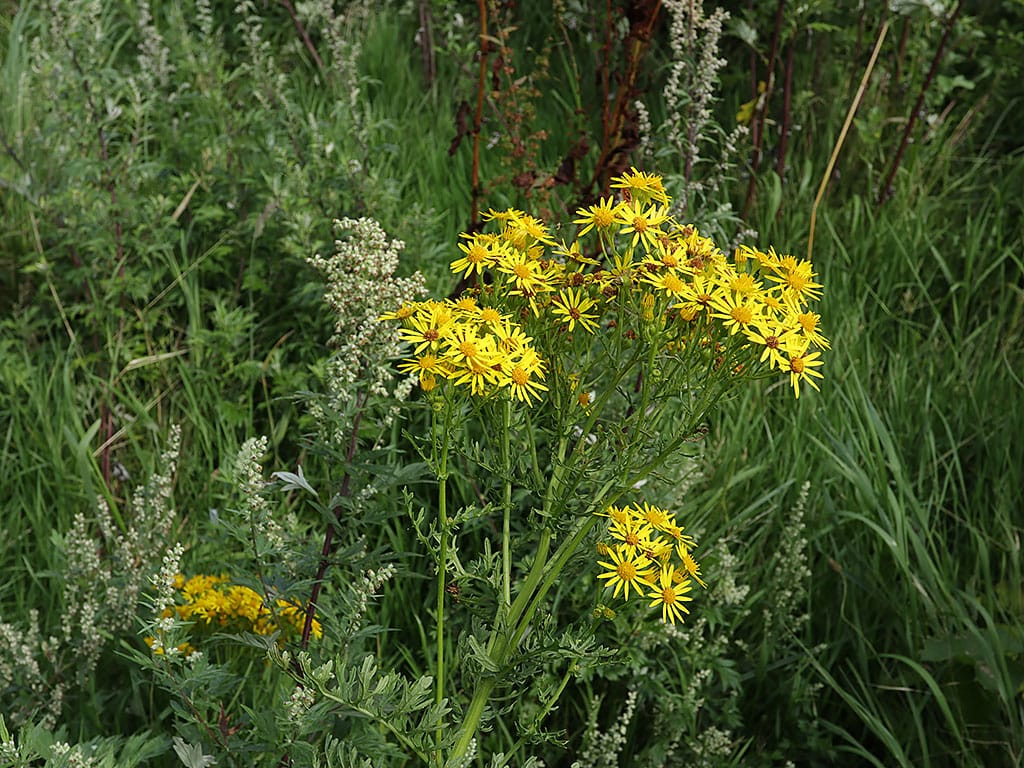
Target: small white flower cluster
155,69
255,511
301,699
714,747
163,584
790,575
21,651
360,287
367,589
267,81
601,749
338,31
107,568
727,590
693,76
689,126
73,755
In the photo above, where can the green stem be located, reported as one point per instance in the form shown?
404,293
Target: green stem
499,647
442,567
548,706
506,533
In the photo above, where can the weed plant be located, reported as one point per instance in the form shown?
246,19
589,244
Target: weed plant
239,599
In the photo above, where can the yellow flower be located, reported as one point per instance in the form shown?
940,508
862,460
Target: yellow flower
426,331
737,311
671,595
527,275
601,216
478,256
669,282
522,377
807,329
802,368
642,187
634,533
572,305
626,570
797,280
643,223
692,566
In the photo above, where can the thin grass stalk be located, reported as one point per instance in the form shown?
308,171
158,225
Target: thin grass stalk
886,191
842,134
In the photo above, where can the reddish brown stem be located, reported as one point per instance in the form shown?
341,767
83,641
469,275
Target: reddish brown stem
901,52
614,146
478,117
787,100
303,34
427,44
886,192
762,113
106,417
328,547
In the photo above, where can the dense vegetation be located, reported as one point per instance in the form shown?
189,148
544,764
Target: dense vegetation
168,171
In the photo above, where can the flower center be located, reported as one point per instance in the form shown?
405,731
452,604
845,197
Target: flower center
742,315
673,284
668,595
808,321
796,365
626,571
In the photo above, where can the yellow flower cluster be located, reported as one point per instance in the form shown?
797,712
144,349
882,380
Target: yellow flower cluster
213,602
470,345
644,266
648,550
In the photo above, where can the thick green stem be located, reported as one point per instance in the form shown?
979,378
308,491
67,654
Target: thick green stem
506,533
499,646
442,567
